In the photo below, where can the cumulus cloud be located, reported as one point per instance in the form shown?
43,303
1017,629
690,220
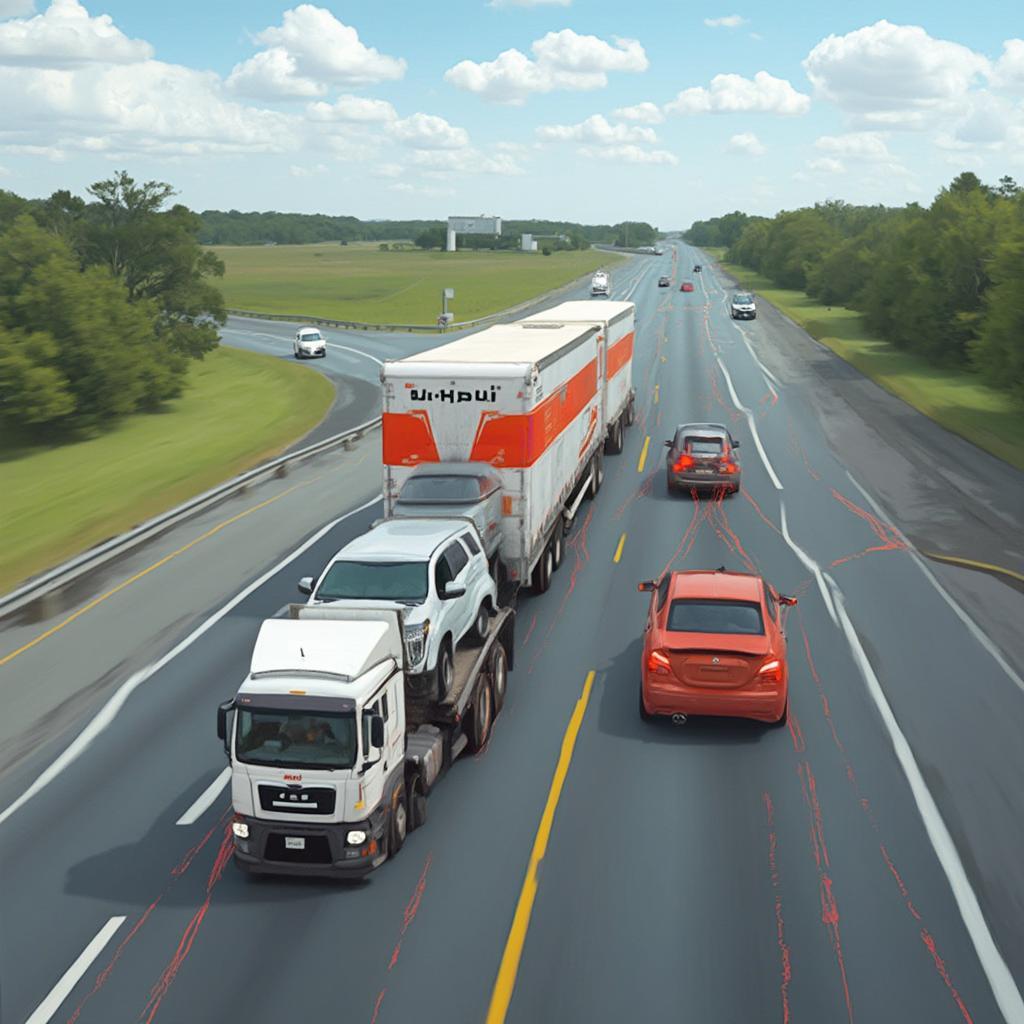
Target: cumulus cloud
561,60
65,36
827,164
893,75
595,129
310,50
428,131
644,113
729,21
747,142
855,146
629,154
353,109
467,161
1008,72
734,94
307,170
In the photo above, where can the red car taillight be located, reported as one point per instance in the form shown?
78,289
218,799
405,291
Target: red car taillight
728,466
683,462
657,661
770,672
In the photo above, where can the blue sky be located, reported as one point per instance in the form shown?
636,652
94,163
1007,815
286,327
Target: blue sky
578,109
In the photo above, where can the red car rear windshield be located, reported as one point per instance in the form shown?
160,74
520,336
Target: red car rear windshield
695,615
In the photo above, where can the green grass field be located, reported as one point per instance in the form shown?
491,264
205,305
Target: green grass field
238,409
958,401
360,283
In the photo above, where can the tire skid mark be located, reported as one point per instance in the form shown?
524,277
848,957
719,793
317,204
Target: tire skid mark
734,537
689,535
865,806
176,872
780,930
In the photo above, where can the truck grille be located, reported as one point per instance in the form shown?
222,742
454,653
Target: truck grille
297,799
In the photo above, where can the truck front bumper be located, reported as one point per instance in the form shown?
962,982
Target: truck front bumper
314,849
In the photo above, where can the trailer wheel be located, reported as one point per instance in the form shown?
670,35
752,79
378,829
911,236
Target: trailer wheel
613,442
597,475
557,546
542,573
478,728
445,670
499,676
481,625
399,824
631,413
417,803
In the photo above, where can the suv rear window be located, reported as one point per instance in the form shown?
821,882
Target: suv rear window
694,615
704,445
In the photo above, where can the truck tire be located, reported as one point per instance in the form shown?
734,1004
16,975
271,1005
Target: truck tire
499,676
417,802
631,413
541,580
597,474
481,625
478,727
613,442
557,546
444,671
399,824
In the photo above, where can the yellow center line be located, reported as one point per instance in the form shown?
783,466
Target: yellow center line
501,997
972,564
145,572
643,454
618,550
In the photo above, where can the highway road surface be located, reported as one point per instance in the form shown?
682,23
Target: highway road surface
861,865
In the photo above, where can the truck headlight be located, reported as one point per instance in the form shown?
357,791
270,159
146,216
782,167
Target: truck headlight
356,837
416,641
240,829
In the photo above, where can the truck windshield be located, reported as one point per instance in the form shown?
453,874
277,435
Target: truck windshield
440,490
743,300
290,739
374,581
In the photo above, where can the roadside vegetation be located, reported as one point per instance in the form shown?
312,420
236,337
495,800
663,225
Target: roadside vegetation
361,282
929,302
58,499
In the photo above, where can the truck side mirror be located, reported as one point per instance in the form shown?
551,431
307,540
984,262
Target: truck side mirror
735,444
222,722
377,731
668,444
784,599
646,586
306,585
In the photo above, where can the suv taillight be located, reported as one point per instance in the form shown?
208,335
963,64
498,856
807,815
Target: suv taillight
728,466
683,462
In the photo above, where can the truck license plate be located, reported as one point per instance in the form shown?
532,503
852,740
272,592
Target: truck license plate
294,843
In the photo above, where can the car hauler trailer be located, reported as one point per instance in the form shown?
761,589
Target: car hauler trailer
331,762
525,398
616,323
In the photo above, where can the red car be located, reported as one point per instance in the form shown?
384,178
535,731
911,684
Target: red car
714,645
686,286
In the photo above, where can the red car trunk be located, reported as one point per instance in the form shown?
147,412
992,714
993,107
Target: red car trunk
707,665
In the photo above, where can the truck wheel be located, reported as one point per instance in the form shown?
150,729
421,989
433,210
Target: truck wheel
399,825
557,547
481,624
444,673
499,676
597,475
478,728
542,573
631,413
417,803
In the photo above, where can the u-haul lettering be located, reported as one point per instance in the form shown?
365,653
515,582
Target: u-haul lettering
454,396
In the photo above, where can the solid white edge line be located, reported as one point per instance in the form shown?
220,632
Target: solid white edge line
356,352
52,1003
808,563
109,711
1004,987
205,799
973,628
751,423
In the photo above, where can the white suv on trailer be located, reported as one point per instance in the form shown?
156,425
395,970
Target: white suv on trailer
436,571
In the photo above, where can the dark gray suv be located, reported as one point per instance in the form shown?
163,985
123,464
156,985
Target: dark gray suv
702,456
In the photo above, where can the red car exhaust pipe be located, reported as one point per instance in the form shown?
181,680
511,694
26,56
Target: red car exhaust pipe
679,719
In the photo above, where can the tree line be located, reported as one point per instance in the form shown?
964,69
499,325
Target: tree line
103,304
945,281
233,227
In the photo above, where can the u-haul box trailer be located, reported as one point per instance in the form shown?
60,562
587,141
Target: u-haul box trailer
523,397
616,322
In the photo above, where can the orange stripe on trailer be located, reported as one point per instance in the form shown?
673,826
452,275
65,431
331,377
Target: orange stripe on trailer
619,354
408,439
517,441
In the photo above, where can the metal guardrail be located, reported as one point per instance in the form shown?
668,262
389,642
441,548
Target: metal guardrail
46,590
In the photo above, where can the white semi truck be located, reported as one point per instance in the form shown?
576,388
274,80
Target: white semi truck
331,761
526,399
600,283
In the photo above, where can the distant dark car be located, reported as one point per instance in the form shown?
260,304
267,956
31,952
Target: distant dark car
686,286
703,456
696,268
664,282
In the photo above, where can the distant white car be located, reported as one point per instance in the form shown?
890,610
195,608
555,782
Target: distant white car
309,342
436,570
600,283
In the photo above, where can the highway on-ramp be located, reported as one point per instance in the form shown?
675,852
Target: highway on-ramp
861,865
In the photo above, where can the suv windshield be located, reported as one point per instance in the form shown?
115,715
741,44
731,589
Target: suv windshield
441,489
689,615
290,739
375,581
743,300
310,336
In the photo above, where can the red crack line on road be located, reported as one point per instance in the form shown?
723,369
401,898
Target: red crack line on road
757,509
925,935
529,632
798,449
780,931
188,937
408,916
689,536
829,904
799,743
176,872
724,518
642,491
891,540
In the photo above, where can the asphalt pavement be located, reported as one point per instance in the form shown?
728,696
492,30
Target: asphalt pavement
862,864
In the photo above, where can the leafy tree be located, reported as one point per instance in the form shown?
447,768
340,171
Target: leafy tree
631,234
432,238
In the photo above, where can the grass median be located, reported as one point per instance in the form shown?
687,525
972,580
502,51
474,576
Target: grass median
360,283
238,409
955,399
